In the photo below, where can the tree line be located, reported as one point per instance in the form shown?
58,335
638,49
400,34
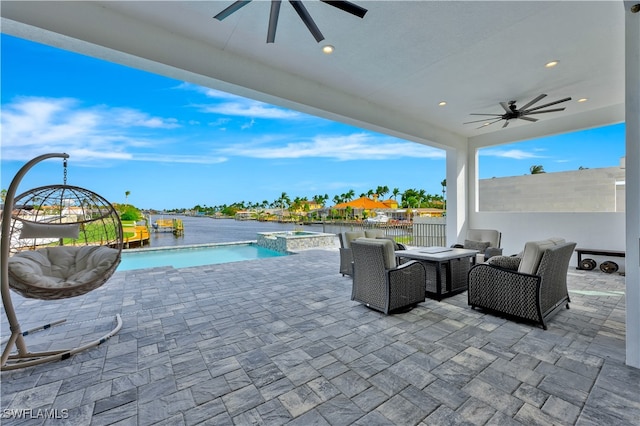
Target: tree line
409,198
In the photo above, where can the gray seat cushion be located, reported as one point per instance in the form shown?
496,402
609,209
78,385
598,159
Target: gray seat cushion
481,246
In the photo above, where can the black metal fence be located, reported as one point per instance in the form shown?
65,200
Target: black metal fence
422,234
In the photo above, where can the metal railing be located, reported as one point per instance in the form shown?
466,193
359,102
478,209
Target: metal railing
422,234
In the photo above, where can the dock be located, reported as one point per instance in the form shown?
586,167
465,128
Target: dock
135,236
169,225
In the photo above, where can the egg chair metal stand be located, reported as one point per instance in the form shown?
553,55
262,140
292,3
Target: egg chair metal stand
58,241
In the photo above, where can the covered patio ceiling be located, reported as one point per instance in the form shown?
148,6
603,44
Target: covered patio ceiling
389,71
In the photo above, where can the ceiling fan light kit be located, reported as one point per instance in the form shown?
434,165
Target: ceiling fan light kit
302,12
512,112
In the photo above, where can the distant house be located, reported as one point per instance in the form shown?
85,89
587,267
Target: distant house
363,206
306,206
244,215
391,203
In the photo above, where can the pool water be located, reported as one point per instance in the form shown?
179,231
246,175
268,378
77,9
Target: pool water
193,256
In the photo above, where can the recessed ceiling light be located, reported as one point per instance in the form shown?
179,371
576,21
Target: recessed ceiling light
582,100
551,64
328,49
442,103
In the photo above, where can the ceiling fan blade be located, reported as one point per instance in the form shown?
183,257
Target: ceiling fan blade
483,121
549,104
487,124
306,18
347,6
231,9
476,121
528,118
537,99
546,110
505,105
495,115
273,21
506,123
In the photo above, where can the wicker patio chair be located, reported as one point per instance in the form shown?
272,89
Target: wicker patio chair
486,241
345,238
534,291
379,283
346,257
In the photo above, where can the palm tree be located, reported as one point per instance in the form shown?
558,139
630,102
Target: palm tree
536,169
283,201
395,193
382,191
350,194
126,196
320,199
422,197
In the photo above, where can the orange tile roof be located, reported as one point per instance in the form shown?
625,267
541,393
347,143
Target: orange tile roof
362,203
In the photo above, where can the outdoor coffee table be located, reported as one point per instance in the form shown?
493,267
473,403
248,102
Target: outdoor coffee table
447,268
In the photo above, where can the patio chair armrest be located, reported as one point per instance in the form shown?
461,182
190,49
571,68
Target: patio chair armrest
406,284
346,261
409,268
504,291
492,252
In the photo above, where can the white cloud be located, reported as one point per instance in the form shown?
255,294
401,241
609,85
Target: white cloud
248,125
127,117
515,154
234,105
251,109
357,146
32,126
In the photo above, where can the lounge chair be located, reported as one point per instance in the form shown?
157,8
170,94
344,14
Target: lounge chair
346,256
486,241
531,286
346,238
378,281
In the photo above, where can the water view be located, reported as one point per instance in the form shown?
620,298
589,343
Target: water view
205,230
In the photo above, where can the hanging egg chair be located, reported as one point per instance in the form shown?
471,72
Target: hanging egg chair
58,241
68,242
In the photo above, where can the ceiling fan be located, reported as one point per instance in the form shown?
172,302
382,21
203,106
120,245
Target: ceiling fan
512,111
302,13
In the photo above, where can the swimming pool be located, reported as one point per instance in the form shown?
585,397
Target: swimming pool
187,256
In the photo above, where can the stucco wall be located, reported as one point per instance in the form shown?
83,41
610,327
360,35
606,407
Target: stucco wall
588,230
588,190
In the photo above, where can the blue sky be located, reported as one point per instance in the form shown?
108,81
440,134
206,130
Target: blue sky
172,144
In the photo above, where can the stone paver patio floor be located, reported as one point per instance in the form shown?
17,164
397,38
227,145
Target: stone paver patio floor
278,341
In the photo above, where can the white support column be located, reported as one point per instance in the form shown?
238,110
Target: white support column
457,189
632,119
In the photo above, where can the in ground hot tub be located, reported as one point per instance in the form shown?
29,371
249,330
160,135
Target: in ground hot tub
287,241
